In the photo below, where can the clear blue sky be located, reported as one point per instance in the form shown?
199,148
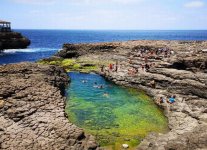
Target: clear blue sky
105,14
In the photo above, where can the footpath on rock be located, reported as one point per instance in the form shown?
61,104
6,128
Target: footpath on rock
32,107
164,69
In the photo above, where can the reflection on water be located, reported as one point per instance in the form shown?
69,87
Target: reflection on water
114,114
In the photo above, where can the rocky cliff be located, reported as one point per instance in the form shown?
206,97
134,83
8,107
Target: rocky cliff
13,40
32,107
176,68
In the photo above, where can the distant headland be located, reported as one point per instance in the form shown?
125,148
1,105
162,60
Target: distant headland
10,39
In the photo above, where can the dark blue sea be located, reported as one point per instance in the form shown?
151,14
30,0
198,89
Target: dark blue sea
47,42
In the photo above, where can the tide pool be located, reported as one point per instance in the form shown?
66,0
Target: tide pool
113,114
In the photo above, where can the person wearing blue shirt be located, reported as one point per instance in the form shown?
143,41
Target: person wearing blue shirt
172,99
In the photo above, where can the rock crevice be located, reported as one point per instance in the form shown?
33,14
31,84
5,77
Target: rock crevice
32,110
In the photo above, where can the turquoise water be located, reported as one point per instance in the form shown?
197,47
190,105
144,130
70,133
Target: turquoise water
113,114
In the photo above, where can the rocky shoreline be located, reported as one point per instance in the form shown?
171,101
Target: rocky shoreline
13,40
32,107
32,112
180,72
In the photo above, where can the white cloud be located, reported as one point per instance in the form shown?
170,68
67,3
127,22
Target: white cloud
194,4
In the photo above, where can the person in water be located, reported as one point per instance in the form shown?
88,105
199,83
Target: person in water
105,94
101,87
84,81
95,85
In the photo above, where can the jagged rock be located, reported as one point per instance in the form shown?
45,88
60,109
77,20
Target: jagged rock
75,50
32,110
13,40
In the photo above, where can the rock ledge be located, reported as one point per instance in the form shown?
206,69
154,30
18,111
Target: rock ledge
32,110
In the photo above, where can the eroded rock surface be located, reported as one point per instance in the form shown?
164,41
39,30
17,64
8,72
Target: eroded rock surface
181,73
187,116
32,110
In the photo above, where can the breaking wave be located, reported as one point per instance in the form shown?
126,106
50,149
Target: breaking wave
29,50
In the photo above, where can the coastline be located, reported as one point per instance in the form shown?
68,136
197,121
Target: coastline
187,116
182,74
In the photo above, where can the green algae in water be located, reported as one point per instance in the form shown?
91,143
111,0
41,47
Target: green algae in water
113,114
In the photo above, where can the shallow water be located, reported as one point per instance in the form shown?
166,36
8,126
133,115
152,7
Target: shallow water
113,114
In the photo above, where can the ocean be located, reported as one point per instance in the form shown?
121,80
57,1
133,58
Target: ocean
45,43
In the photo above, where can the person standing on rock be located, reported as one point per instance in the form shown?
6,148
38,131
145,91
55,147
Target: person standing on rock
116,67
102,68
146,59
142,67
110,67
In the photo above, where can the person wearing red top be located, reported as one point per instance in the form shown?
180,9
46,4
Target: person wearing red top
110,66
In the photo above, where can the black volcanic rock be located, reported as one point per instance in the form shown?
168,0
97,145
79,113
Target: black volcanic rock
76,50
13,40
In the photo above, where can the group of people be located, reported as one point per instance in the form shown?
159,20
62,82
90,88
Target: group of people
145,55
170,99
95,85
154,53
111,68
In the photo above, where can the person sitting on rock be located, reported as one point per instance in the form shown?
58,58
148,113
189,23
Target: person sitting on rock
172,99
147,67
161,100
130,71
136,70
153,84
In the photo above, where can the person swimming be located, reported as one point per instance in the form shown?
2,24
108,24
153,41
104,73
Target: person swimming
84,81
105,94
95,85
101,87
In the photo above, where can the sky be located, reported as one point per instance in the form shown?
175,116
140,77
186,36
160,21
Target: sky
105,14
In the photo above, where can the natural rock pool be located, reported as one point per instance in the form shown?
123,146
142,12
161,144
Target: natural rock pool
113,114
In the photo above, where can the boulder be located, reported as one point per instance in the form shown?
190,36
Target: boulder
13,40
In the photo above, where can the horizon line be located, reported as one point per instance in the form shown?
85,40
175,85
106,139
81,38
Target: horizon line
114,29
